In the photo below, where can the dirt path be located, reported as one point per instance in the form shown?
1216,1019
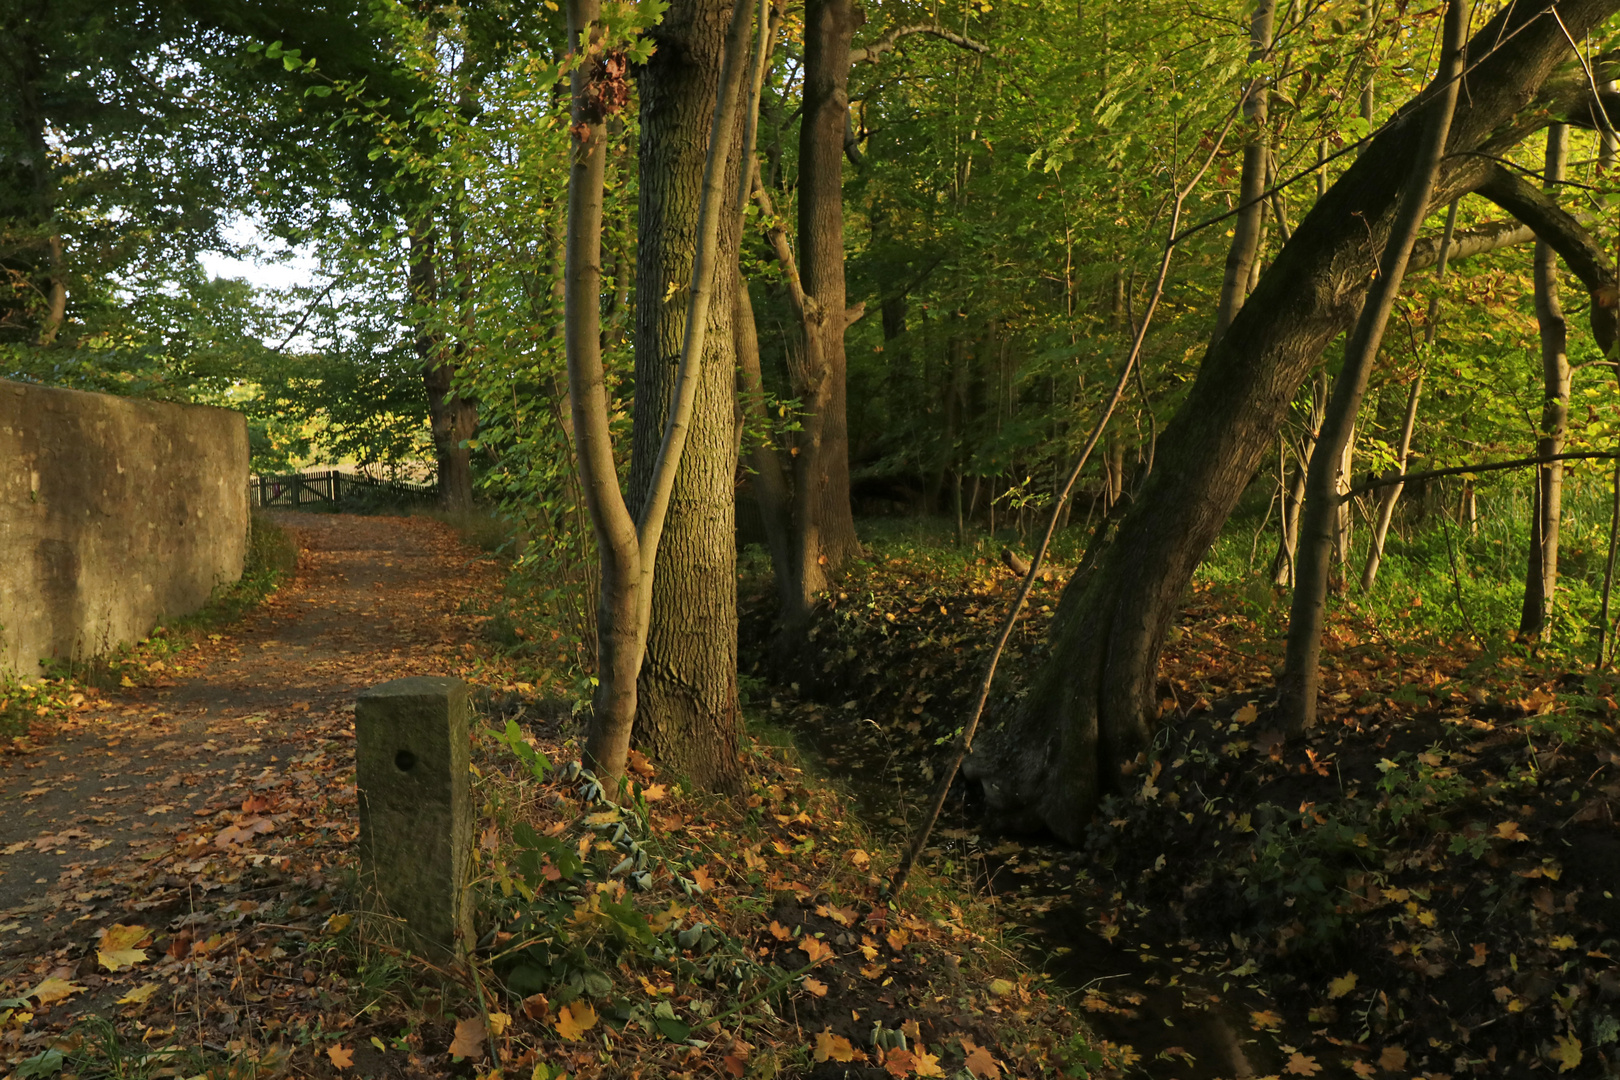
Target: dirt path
228,773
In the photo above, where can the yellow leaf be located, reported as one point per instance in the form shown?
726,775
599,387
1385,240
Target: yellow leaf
816,949
928,1064
53,990
1245,715
981,1064
1393,1059
1567,1052
341,1057
469,1040
1001,988
574,1019
139,994
830,1047
1509,830
1265,1018
815,986
120,958
339,923
778,931
118,937
1302,1065
1342,985
654,792
499,1022
1562,942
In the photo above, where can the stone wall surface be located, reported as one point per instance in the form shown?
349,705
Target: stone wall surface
114,513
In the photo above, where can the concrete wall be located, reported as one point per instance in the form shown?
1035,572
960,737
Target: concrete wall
114,513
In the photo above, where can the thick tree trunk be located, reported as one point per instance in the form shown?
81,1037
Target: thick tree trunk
1541,577
1091,704
1297,690
1242,256
822,464
687,713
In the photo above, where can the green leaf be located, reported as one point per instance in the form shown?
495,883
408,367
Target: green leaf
673,1030
318,91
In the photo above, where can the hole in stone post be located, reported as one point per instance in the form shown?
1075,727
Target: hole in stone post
405,760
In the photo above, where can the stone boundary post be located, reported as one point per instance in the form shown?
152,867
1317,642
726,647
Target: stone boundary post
412,766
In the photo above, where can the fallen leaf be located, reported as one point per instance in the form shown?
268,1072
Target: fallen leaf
1567,1052
1509,830
928,1064
654,792
815,986
536,1007
52,990
1246,715
778,931
1479,955
1342,985
574,1019
139,994
899,1062
341,1057
498,1023
1393,1059
469,1040
243,831
816,949
703,879
981,1064
1266,1019
1302,1065
830,1047
116,949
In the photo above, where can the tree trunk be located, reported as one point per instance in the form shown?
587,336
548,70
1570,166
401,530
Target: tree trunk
1091,704
1282,567
1386,505
618,636
1244,252
822,464
687,713
1343,519
1541,576
768,483
1297,690
451,419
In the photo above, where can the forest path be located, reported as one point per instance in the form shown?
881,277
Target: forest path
127,814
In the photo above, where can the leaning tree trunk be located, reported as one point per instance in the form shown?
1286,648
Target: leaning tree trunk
1245,250
687,713
1297,690
1091,703
1541,577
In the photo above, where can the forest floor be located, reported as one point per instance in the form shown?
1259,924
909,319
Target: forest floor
1426,887
177,882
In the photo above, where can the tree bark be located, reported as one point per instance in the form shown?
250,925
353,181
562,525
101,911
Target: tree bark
1297,690
451,419
1541,576
687,713
1246,229
1091,703
768,482
618,636
821,468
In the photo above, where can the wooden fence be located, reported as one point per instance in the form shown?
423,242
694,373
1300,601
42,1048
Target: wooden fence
332,489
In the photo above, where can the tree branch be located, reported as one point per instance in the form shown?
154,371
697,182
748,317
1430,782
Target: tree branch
1564,234
888,41
1392,479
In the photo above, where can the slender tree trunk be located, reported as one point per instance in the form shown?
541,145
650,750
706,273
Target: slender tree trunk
618,635
451,420
768,483
1297,692
1282,568
1541,577
822,464
1246,229
687,714
1343,518
1386,505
